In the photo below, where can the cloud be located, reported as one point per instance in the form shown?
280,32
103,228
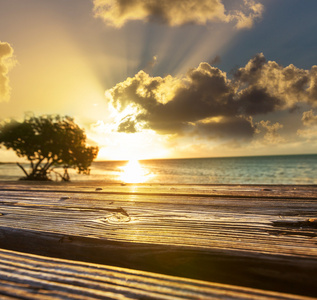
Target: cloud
206,103
233,127
271,135
177,12
257,100
246,20
128,125
200,102
6,62
312,90
277,86
309,120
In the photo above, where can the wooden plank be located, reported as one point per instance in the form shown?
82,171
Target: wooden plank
221,190
208,222
26,276
243,235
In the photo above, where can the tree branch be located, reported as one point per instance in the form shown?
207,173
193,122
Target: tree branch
25,172
34,168
48,165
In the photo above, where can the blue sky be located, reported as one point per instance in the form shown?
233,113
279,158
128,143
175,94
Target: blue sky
166,80
286,34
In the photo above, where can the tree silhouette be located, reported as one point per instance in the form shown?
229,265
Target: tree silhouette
48,142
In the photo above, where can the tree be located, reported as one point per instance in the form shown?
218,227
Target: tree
48,142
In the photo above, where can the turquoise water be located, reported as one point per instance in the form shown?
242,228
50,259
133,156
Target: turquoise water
288,169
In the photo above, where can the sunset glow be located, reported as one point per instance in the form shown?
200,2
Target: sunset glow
163,80
145,144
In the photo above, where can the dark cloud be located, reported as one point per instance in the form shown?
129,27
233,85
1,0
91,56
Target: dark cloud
234,127
206,102
254,101
205,92
6,53
251,73
176,12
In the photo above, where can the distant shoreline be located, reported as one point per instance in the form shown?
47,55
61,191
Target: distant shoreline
298,169
210,157
192,158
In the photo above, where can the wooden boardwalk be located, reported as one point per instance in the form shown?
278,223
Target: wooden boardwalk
262,237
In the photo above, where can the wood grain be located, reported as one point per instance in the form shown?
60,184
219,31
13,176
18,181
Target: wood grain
243,235
25,276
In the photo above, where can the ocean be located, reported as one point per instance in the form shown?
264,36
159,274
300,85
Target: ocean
281,169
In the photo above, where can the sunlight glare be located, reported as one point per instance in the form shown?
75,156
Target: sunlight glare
146,144
133,172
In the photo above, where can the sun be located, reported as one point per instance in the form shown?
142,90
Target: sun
133,172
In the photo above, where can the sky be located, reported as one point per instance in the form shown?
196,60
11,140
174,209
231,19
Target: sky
165,79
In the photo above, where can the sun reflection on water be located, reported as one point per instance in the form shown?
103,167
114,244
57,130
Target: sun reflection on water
133,172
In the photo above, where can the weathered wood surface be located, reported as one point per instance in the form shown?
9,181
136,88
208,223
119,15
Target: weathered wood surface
256,236
24,276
